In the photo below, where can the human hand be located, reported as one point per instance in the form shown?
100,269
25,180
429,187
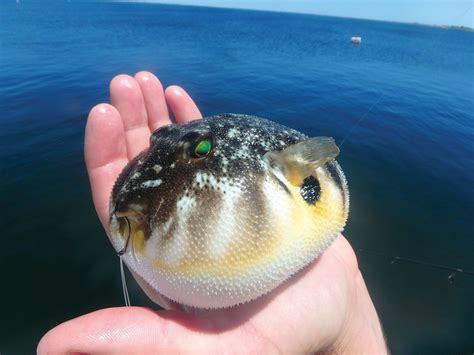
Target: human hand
325,307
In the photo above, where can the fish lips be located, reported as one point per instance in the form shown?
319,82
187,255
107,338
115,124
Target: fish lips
126,226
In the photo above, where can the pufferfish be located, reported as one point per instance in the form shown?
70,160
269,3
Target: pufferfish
222,210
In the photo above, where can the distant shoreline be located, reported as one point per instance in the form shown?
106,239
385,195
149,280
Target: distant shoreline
446,27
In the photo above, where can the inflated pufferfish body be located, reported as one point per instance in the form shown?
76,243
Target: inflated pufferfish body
222,210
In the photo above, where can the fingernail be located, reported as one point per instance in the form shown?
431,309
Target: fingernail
177,91
144,77
103,108
126,82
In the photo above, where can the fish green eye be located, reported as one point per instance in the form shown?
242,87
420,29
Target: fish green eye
203,148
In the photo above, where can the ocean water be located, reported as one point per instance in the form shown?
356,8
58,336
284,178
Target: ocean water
401,105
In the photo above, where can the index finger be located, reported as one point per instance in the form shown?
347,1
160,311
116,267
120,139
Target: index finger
105,154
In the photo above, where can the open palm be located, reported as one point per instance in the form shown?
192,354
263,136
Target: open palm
325,307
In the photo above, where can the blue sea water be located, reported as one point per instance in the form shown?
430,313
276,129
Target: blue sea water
401,105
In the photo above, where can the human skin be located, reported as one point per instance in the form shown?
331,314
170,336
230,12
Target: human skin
324,308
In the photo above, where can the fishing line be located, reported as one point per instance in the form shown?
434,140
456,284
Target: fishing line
376,102
394,259
454,270
124,283
360,120
122,270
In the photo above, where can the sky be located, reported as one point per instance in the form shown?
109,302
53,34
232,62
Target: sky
432,12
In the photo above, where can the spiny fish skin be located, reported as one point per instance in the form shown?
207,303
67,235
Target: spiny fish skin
226,227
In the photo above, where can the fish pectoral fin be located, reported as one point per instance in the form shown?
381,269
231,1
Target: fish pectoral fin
300,160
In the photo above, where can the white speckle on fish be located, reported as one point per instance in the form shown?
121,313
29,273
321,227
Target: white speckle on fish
157,168
233,133
185,205
152,183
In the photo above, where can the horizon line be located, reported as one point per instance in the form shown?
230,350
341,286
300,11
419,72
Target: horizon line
441,26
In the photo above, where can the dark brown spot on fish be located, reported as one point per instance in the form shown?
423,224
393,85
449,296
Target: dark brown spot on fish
310,190
283,186
335,174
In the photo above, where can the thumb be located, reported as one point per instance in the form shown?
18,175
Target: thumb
141,330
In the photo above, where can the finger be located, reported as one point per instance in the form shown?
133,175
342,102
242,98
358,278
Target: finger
154,98
127,97
183,107
105,154
135,330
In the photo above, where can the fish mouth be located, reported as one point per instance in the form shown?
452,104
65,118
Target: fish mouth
130,230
